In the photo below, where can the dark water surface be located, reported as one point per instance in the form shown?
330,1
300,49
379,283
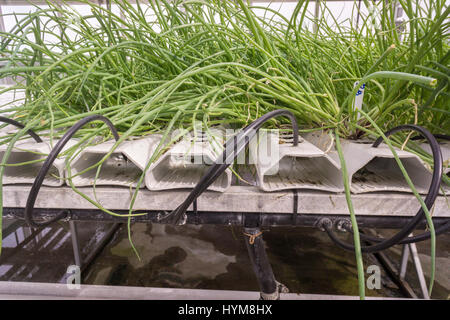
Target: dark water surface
215,257
205,257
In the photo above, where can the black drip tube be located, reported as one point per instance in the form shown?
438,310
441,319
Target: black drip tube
421,237
48,163
236,144
432,194
21,126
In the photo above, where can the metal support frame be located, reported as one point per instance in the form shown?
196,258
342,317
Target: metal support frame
391,271
102,243
265,210
252,222
2,29
32,234
28,238
76,245
79,261
263,219
2,21
398,275
316,15
11,228
412,249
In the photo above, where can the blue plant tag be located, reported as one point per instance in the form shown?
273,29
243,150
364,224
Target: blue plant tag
357,103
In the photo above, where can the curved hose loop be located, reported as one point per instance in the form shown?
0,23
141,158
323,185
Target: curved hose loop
21,126
417,238
48,163
432,194
236,143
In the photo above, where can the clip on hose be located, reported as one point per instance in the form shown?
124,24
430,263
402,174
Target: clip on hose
430,198
49,161
252,237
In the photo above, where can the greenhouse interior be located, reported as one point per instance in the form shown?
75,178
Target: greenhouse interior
224,150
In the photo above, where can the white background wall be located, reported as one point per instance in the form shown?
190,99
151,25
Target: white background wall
342,10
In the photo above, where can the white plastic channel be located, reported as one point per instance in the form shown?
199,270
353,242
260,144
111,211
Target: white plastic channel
28,151
375,169
123,167
183,165
445,149
280,165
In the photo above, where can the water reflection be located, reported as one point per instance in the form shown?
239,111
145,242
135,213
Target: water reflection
203,257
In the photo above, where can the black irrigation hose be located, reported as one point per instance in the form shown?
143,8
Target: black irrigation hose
432,194
442,136
421,237
48,163
21,126
236,144
436,135
206,181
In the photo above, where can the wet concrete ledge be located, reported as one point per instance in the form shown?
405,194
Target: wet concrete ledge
49,291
